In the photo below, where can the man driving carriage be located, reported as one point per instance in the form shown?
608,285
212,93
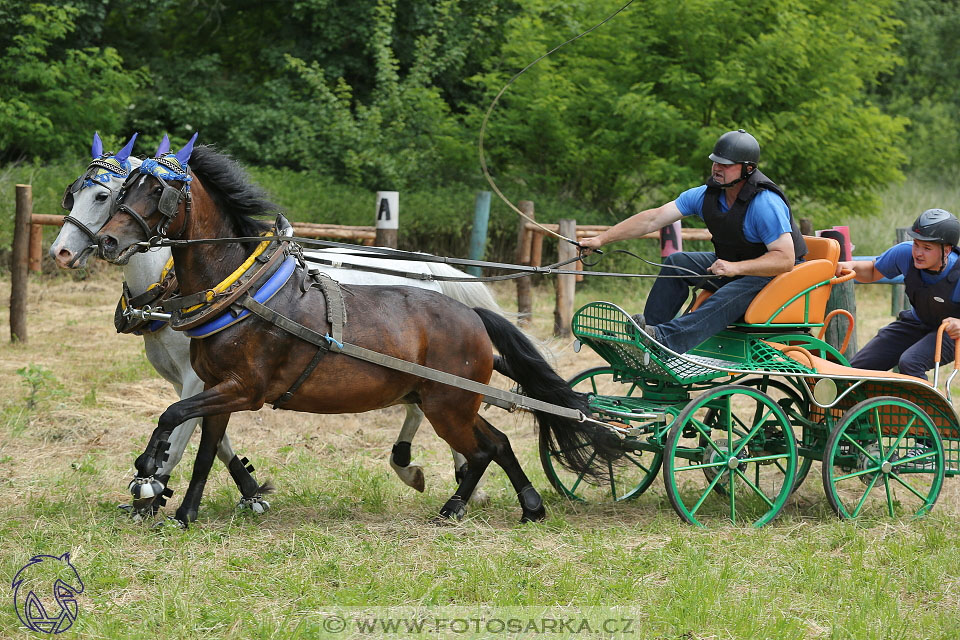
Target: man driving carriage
754,236
931,270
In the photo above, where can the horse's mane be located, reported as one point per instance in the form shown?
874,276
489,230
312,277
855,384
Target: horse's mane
232,190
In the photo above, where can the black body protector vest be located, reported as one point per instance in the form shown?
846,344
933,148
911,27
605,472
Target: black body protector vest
727,228
933,302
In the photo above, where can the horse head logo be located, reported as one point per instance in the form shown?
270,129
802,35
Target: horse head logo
45,593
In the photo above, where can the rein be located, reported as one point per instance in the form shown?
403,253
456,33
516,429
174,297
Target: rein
522,271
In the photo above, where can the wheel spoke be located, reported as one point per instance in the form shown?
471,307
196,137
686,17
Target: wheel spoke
636,462
929,454
903,434
576,484
613,482
732,488
863,498
706,493
846,436
556,452
855,474
886,486
908,486
755,488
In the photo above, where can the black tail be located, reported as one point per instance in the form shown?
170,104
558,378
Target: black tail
582,447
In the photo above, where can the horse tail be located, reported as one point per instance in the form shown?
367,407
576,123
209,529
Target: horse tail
470,293
582,447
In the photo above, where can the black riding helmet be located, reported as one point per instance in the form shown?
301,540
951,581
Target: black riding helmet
936,225
737,147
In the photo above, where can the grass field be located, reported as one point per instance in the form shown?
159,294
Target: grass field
347,546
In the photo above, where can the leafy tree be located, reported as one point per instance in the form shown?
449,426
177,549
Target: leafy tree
926,88
53,98
626,116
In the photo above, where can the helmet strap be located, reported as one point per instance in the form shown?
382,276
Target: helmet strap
744,174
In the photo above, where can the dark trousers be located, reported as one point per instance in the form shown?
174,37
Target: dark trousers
904,343
668,295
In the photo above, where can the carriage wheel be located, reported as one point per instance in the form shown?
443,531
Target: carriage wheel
738,437
796,408
884,456
633,474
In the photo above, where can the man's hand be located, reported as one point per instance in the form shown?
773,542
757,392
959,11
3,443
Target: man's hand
953,327
724,268
590,244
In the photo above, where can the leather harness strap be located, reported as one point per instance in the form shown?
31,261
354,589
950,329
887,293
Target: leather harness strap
492,395
216,307
336,316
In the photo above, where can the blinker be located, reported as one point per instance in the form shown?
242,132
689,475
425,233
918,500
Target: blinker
67,201
169,200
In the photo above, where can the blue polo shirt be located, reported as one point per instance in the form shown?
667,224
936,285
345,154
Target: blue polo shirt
767,216
898,259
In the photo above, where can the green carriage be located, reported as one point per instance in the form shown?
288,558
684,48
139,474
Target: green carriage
736,424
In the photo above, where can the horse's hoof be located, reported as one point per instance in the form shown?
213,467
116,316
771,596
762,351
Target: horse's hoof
412,476
256,504
534,516
479,498
171,523
135,514
454,509
144,488
532,505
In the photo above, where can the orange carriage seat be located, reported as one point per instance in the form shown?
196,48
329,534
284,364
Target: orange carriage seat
799,296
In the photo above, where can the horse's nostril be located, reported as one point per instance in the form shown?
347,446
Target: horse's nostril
107,243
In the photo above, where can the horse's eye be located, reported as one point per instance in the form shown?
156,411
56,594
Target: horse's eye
157,190
102,197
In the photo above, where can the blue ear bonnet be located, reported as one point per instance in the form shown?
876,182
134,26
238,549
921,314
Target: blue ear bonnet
167,167
104,169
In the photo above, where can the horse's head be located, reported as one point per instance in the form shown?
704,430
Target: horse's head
89,200
153,196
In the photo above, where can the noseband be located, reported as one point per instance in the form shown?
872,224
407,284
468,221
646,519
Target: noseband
169,203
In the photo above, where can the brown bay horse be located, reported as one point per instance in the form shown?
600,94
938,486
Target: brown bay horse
201,194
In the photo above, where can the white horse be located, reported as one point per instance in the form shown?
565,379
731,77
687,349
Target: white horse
90,201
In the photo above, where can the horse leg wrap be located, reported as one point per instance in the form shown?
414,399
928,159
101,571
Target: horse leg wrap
144,488
401,454
455,508
532,505
256,504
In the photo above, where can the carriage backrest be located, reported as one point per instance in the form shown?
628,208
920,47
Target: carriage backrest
780,301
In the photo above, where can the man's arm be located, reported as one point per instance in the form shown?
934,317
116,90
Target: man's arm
779,258
866,270
639,224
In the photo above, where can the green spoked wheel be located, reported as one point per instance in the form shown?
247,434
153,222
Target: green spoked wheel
797,409
630,476
738,438
884,457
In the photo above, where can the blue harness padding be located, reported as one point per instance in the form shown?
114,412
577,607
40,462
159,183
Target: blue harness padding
267,291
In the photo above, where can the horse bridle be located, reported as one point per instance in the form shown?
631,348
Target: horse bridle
67,201
168,204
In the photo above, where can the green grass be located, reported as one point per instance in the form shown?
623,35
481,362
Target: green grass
346,538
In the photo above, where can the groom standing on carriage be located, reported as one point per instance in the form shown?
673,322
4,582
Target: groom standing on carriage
754,236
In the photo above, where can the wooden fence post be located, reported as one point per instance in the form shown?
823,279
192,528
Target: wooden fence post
18,264
388,218
565,284
35,260
842,296
524,300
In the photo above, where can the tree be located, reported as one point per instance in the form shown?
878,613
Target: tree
53,98
626,116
